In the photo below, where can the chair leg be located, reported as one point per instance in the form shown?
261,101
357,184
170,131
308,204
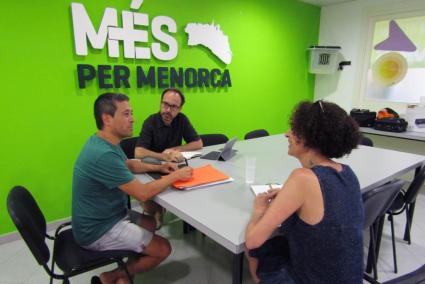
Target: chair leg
122,265
369,279
52,269
369,265
185,228
372,246
372,251
378,228
409,217
390,217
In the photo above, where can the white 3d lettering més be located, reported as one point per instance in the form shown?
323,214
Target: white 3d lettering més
109,32
132,33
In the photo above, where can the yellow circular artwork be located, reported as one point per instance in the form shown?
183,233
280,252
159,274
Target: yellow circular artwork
389,69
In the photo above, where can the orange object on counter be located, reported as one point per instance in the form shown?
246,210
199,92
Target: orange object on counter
200,176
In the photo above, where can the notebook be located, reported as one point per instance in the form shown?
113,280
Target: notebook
191,154
260,188
203,176
224,154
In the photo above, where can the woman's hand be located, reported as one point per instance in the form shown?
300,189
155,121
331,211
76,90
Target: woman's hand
263,200
261,203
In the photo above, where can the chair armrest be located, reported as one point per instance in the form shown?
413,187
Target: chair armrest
58,229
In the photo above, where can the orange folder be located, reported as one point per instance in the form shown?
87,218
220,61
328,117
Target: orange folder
202,176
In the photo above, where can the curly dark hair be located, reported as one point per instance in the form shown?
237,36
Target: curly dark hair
325,127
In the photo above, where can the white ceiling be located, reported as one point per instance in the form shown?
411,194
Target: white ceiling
325,2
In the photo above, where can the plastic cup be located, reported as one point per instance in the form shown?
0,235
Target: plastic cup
250,170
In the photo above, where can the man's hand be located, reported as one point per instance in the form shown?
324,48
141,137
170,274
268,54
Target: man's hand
167,168
172,155
182,174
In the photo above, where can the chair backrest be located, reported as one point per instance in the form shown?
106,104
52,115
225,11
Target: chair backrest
128,146
415,186
256,133
30,222
213,139
366,141
377,201
414,277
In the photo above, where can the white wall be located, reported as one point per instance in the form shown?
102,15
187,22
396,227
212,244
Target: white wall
347,25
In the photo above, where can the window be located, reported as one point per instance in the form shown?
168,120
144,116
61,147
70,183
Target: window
396,67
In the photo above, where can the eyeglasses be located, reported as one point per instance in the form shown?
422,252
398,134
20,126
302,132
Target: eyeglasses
171,107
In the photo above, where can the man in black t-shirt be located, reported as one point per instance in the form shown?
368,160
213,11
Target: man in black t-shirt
162,133
161,138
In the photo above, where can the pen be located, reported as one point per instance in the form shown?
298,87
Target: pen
270,188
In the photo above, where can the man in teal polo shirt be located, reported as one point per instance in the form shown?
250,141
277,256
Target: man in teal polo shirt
103,177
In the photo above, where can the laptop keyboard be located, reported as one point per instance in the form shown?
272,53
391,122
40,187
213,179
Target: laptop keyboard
211,155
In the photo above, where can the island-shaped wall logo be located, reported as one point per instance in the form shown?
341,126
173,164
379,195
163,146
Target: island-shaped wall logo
163,47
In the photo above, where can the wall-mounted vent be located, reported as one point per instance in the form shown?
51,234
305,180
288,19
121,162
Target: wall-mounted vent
323,59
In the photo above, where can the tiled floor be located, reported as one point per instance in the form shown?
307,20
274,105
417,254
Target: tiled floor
196,259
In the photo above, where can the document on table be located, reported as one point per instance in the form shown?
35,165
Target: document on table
203,176
209,184
191,154
260,188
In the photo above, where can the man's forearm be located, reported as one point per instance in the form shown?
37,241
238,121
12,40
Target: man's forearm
141,153
138,167
153,188
192,146
143,192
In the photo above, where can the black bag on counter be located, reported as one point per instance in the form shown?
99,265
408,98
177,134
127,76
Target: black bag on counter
391,124
364,117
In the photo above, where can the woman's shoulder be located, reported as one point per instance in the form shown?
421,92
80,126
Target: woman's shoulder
301,173
303,177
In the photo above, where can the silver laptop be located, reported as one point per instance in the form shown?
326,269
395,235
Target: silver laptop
223,154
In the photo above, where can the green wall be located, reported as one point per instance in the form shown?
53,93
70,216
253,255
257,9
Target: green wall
46,118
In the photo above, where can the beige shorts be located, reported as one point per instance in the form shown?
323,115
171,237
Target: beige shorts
124,235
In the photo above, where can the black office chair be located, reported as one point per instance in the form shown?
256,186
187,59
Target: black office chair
213,139
415,277
67,254
376,202
256,133
366,141
405,202
128,145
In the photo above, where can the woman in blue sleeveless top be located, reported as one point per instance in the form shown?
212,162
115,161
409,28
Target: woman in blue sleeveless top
318,211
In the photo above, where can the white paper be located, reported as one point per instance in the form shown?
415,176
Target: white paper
191,154
210,184
260,188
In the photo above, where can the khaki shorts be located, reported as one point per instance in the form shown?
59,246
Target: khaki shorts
124,235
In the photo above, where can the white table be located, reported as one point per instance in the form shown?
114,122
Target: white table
410,135
222,212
